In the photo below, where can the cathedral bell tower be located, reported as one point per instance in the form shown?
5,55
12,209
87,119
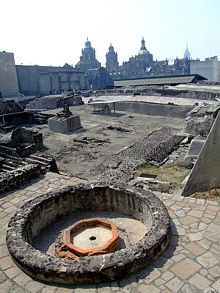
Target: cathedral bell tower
112,60
88,58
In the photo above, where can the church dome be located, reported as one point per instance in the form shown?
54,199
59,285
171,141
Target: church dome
111,48
87,43
143,50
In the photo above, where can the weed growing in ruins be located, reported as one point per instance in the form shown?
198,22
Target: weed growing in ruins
171,175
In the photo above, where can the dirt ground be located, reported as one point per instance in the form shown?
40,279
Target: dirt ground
80,152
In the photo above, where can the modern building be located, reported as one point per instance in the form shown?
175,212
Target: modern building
88,58
209,68
143,65
8,76
44,80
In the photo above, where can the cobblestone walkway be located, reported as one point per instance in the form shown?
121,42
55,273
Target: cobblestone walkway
190,264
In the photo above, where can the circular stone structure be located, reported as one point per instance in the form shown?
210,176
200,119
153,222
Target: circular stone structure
46,209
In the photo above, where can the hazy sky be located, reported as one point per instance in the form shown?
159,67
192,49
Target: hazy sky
53,32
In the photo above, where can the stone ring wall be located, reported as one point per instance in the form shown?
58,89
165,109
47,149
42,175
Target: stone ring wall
46,209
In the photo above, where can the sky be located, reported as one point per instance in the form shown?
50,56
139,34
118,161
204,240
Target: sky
53,32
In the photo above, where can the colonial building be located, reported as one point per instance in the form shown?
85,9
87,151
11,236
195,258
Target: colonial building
138,66
142,65
88,59
112,61
98,77
45,80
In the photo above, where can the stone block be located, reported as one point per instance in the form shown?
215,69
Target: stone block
64,124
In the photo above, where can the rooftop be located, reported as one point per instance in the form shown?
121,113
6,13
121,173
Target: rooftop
159,80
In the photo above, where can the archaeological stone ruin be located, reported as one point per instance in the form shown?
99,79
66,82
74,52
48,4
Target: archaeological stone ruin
95,267
101,190
64,121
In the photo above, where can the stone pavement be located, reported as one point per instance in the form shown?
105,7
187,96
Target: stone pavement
189,264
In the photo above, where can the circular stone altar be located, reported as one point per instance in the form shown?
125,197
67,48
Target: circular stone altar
89,237
97,258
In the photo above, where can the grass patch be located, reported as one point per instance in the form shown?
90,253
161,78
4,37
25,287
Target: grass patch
172,173
148,168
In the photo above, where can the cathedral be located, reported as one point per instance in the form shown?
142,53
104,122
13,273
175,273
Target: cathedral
112,61
88,59
98,77
142,65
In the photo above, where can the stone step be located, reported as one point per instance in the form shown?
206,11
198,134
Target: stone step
5,170
8,167
41,159
35,161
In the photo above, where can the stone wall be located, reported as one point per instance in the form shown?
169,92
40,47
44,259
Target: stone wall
8,77
200,120
24,135
45,80
155,109
162,91
206,173
54,101
16,178
9,106
23,142
15,171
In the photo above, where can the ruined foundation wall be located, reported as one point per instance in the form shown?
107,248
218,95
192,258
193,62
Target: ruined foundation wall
166,110
206,173
16,178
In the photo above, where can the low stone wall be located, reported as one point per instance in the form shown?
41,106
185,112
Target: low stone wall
46,209
18,177
15,171
54,101
154,90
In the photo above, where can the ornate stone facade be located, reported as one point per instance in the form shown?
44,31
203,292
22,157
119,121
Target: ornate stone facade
98,77
88,59
112,61
143,65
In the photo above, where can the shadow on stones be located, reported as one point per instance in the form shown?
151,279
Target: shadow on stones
22,187
162,262
80,130
45,240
